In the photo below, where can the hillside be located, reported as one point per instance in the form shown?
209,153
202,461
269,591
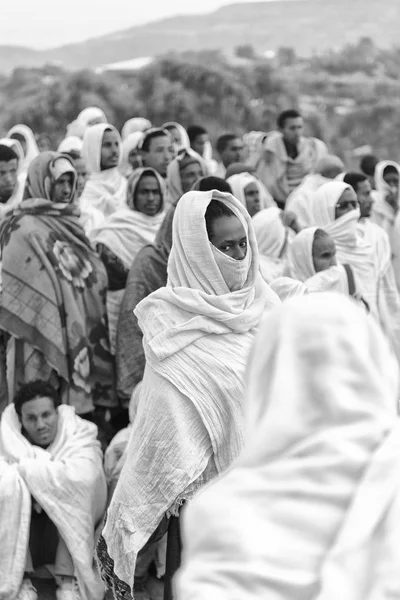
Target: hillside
306,25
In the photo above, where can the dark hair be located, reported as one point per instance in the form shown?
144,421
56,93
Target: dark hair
33,390
207,184
285,115
7,154
74,154
151,134
368,164
353,178
194,131
224,140
390,169
215,210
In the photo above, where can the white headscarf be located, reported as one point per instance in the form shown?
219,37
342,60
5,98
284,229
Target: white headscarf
239,183
290,519
32,149
272,237
300,258
184,138
385,215
105,190
286,287
130,143
90,114
71,142
135,125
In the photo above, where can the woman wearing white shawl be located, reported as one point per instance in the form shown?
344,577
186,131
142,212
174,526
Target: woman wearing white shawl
311,510
106,188
183,172
123,234
386,196
273,239
134,125
286,287
92,115
244,182
25,137
131,159
179,135
67,482
197,334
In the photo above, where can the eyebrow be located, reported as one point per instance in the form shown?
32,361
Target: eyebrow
244,238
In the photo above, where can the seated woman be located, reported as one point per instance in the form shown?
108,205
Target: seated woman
197,333
251,192
311,509
54,285
273,239
52,496
124,233
183,172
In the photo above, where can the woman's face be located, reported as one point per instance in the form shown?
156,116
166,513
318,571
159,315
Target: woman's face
148,196
252,196
83,175
176,136
229,236
63,187
135,159
392,179
346,203
323,253
189,175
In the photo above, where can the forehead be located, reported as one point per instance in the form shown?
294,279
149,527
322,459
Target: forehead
323,244
147,181
237,142
79,164
294,122
348,194
160,141
228,228
110,136
9,165
391,175
364,186
195,166
38,405
251,187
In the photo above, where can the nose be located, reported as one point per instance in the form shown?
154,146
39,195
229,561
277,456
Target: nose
239,253
40,424
333,262
150,195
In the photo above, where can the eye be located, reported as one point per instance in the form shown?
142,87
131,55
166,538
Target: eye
243,244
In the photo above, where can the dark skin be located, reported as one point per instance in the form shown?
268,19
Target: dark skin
346,203
229,236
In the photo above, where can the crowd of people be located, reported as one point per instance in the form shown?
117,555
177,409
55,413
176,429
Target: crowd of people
175,317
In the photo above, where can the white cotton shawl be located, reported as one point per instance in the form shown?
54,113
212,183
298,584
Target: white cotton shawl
272,237
105,190
90,114
71,143
301,503
184,138
32,149
134,125
240,181
130,143
300,200
286,287
350,247
382,213
300,258
66,480
174,181
196,336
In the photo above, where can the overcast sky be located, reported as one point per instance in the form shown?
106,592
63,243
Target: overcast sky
47,23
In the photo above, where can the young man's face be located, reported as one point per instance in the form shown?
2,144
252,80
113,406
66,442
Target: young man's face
8,178
39,419
293,130
233,153
198,144
364,198
161,153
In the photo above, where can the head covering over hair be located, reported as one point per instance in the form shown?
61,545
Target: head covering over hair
133,183
130,143
89,114
43,173
300,256
184,143
32,149
174,169
105,190
135,125
382,212
239,183
272,239
328,165
71,142
307,509
16,146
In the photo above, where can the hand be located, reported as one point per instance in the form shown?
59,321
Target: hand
290,220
